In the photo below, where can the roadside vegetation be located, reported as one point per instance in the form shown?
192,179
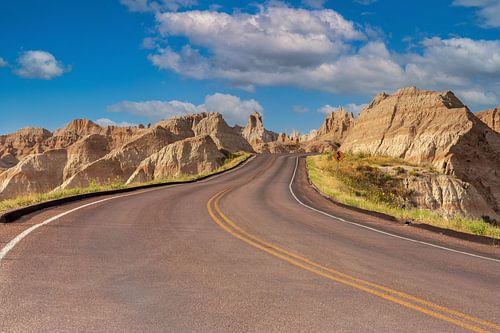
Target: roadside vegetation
231,161
373,183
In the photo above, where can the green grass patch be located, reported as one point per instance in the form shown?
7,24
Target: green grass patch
231,161
358,181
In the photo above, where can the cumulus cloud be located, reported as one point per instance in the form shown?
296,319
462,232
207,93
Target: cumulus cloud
3,63
108,122
477,97
327,109
317,49
470,67
488,11
160,5
39,65
355,108
154,109
234,109
351,107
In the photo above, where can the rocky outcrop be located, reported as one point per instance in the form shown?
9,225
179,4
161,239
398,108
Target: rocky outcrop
186,157
310,136
15,146
224,136
80,128
319,146
428,127
255,133
85,151
197,143
332,132
27,141
119,164
491,118
182,127
36,173
447,195
336,125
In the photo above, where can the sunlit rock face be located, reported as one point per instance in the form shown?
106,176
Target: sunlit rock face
435,128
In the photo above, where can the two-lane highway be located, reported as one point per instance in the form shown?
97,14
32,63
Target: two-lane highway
237,253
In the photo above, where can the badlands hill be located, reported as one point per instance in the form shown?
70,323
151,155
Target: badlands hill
426,128
34,160
434,128
491,118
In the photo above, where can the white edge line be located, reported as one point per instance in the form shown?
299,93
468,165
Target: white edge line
12,243
377,230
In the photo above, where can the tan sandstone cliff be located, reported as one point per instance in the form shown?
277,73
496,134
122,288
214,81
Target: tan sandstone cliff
434,128
255,133
186,157
36,173
36,160
331,133
491,118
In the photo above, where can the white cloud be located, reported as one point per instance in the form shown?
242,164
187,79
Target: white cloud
234,110
160,5
351,107
299,109
154,109
275,38
327,109
456,59
488,11
108,122
317,49
471,67
355,108
3,63
477,97
39,65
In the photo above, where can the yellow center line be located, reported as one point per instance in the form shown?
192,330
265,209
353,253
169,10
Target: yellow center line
368,283
356,283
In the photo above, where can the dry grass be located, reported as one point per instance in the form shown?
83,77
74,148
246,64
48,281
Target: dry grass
360,181
231,161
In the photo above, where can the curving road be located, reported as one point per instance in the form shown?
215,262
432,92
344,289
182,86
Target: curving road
239,252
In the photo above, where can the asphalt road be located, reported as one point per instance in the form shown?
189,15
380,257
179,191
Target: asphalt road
239,253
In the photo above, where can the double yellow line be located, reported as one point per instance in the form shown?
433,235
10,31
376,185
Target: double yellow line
434,310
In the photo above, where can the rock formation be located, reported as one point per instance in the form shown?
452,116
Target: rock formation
310,136
15,146
336,125
36,173
447,195
186,157
120,163
255,133
422,127
331,134
491,118
85,151
434,128
225,137
36,160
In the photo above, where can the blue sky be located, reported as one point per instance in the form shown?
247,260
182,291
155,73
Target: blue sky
135,61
